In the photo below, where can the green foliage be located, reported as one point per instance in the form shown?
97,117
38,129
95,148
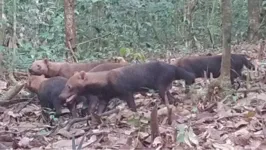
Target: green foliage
105,28
133,56
264,4
40,30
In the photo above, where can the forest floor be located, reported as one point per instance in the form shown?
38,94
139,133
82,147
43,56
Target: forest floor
238,123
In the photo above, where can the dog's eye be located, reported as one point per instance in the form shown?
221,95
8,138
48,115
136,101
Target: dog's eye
39,66
69,87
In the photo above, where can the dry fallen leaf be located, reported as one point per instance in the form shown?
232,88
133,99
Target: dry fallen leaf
157,142
73,132
192,137
15,115
91,140
187,141
3,85
32,108
24,142
241,131
223,146
241,123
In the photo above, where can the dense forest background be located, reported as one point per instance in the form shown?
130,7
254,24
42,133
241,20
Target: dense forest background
214,114
104,27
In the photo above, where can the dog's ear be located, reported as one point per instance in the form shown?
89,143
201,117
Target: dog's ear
82,74
209,54
46,61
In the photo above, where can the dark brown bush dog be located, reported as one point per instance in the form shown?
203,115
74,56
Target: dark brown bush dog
124,82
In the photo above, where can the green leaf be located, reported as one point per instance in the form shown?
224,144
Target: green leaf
181,133
235,98
181,128
44,47
124,52
142,57
134,121
44,35
43,132
136,56
194,109
27,46
2,48
94,1
264,5
180,138
50,36
148,24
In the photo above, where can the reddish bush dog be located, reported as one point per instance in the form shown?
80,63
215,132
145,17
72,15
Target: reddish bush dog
64,69
48,91
125,81
212,64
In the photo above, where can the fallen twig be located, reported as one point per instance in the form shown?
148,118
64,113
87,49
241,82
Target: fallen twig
75,120
20,75
12,92
12,78
72,53
229,116
14,101
251,90
210,107
30,100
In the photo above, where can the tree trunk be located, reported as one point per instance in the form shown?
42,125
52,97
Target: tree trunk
70,28
2,35
227,26
261,53
220,89
188,18
254,20
2,27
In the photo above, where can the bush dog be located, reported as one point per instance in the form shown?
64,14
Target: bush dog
123,82
48,91
212,64
93,100
108,66
64,69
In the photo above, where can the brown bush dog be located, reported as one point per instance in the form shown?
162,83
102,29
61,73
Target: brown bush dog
108,66
48,91
212,64
64,69
93,100
124,82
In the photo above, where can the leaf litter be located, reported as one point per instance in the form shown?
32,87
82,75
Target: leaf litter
237,122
